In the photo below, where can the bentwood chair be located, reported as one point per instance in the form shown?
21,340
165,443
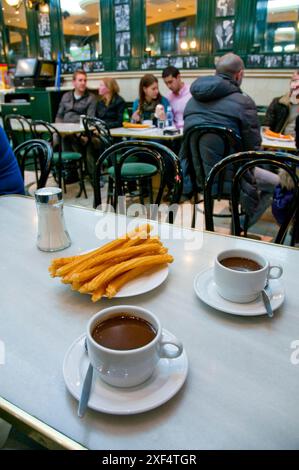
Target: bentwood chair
136,174
17,128
121,171
63,160
42,154
99,139
201,153
242,163
96,128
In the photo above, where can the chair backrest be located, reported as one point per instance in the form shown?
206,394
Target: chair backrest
98,129
157,154
42,154
48,132
204,146
242,162
18,128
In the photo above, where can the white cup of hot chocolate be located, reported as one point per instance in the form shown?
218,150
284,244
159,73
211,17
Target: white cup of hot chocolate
241,275
126,342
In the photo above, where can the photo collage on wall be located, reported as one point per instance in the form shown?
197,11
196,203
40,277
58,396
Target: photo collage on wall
224,25
181,62
272,61
44,30
88,67
122,33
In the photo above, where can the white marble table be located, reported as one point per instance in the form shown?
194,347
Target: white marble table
69,128
152,133
241,391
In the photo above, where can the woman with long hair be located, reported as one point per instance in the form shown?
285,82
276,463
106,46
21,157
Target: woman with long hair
149,97
111,105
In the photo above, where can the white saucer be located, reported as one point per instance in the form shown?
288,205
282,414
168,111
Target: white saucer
165,382
205,289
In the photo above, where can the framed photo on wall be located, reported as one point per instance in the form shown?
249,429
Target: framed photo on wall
44,24
45,48
122,18
255,60
224,34
123,44
122,64
225,7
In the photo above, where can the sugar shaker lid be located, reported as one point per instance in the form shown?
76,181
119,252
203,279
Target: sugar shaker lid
48,195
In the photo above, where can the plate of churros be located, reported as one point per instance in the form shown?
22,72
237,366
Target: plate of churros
132,264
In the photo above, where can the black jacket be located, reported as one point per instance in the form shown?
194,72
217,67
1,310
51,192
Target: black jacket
70,108
113,113
219,100
278,113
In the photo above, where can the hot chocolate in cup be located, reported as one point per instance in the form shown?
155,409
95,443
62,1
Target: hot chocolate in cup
125,344
241,275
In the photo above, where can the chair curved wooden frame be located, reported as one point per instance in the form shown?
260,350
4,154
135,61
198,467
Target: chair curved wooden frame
157,152
41,151
96,127
37,129
25,128
19,134
248,160
230,140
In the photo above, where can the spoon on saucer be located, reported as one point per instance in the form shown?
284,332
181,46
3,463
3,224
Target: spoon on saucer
267,302
86,388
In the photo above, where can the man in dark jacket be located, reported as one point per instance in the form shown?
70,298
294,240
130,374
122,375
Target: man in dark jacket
76,102
219,100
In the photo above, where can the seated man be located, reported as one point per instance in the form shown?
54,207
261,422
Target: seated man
77,101
282,111
179,95
218,100
73,104
11,181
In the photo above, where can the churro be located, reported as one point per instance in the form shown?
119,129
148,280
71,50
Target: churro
106,269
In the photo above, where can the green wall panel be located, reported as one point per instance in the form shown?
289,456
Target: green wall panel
245,19
108,34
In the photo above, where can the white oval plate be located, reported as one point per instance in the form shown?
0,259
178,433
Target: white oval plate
145,283
166,381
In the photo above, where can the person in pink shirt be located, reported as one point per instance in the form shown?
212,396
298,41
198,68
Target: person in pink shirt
179,95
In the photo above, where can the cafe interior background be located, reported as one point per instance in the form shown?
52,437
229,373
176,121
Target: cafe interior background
125,38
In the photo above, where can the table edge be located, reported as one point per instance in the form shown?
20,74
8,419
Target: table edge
164,223
39,426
